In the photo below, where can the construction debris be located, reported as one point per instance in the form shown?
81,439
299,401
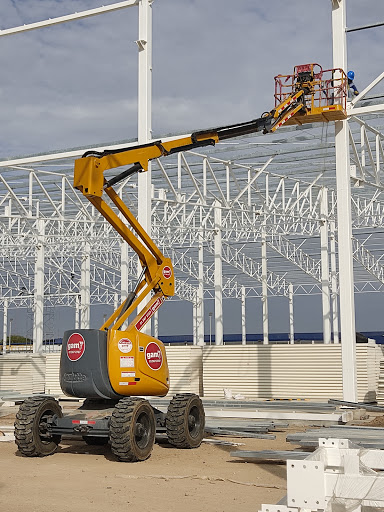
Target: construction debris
358,405
368,437
221,442
237,433
276,455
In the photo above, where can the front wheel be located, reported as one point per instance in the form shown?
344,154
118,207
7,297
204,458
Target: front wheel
132,429
32,434
185,421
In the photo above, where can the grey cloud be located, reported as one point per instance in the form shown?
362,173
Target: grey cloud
213,63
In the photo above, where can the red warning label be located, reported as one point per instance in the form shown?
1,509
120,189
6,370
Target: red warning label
153,356
147,315
75,346
167,272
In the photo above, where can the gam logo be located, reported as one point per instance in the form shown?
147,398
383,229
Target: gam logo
167,272
75,346
153,356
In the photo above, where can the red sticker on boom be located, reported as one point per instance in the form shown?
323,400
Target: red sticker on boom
167,272
150,311
75,346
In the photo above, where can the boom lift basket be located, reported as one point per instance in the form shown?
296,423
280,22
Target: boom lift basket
325,93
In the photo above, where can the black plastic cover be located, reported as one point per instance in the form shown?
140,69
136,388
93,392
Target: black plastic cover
83,364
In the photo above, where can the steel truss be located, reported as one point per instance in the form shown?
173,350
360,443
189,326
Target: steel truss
253,198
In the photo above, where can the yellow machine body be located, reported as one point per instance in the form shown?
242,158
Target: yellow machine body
137,362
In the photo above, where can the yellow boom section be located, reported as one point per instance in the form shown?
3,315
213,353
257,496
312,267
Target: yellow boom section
89,177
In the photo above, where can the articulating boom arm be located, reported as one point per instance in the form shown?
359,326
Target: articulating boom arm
90,168
89,178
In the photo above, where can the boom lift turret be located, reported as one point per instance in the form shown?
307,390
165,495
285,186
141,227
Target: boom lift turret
112,368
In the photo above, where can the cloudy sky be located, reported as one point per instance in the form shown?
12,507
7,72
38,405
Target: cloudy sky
75,84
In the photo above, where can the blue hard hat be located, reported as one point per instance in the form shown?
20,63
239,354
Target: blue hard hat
351,75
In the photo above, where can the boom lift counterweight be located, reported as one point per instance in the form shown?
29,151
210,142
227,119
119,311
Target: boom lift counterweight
112,368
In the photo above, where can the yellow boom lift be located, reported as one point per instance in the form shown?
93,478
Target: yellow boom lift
114,368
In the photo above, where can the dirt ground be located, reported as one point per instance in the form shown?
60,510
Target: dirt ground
90,479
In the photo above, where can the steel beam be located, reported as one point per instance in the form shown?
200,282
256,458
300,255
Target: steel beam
264,285
325,288
69,17
291,316
218,272
344,217
85,288
200,299
144,44
38,302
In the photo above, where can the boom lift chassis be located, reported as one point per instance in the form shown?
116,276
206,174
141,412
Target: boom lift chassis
94,363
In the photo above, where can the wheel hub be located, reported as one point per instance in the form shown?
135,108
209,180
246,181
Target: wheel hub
140,430
191,421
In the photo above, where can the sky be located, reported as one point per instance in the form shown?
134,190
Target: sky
75,84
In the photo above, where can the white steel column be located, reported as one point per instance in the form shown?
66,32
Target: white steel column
144,44
124,276
124,271
325,289
200,299
218,277
344,217
194,320
335,308
85,287
291,317
243,318
38,310
77,311
5,325
264,297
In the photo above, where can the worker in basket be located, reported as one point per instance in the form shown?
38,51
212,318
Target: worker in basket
352,89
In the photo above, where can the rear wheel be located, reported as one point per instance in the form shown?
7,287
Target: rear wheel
185,421
132,429
32,434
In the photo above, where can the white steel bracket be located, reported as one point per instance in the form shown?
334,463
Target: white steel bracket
305,484
337,476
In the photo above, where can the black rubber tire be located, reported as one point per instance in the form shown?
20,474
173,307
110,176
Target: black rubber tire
31,435
95,441
132,429
185,421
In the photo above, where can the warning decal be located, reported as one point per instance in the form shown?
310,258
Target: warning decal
75,346
153,356
127,362
125,345
147,315
128,374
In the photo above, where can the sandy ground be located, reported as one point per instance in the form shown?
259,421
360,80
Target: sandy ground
90,479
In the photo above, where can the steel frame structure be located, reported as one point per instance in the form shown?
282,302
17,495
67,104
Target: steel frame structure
186,194
255,217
